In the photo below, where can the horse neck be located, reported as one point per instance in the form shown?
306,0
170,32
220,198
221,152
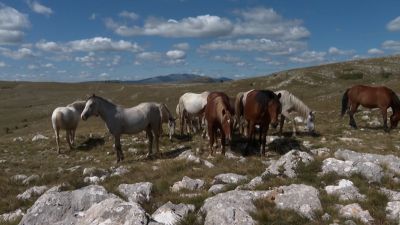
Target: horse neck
299,106
78,106
106,109
166,112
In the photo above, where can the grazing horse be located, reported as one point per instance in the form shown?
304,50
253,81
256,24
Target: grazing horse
166,117
145,116
372,97
191,105
291,103
261,107
218,115
67,118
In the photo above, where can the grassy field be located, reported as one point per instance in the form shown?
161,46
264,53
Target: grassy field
26,110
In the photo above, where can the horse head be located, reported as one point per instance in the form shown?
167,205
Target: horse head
394,119
274,109
310,121
91,108
227,123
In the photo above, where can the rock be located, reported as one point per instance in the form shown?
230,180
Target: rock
30,179
374,123
288,163
301,198
19,177
94,179
113,211
229,178
138,192
391,162
298,119
354,211
371,171
33,191
38,137
61,208
351,140
12,216
119,171
345,190
393,210
232,207
321,152
93,171
392,195
18,139
252,184
189,156
217,188
326,217
171,214
188,184
208,163
73,169
365,118
3,161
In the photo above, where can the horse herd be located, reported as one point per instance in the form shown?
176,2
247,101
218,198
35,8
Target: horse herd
216,113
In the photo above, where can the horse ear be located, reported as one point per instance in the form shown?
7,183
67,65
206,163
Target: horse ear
279,95
93,95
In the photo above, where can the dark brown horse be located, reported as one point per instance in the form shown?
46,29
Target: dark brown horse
218,116
372,97
261,107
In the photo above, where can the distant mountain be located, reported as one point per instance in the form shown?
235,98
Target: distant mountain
174,79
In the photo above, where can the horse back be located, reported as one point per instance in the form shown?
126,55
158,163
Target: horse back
371,97
216,102
255,107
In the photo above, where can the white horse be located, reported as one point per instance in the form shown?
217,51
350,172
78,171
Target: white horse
145,116
191,106
291,103
67,118
166,117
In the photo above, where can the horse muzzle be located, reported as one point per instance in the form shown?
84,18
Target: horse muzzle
83,117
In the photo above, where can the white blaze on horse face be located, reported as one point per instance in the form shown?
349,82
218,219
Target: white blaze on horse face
88,110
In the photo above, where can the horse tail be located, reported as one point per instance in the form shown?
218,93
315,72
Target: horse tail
57,120
345,102
395,101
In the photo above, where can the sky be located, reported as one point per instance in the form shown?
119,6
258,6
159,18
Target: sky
82,40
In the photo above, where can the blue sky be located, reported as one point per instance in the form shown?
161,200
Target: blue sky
71,40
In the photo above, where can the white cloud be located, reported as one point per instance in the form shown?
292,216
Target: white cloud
394,25
199,26
129,15
2,64
88,45
149,56
182,46
308,57
391,45
264,45
93,16
269,61
39,8
259,22
21,53
375,51
12,25
176,54
336,51
226,58
90,60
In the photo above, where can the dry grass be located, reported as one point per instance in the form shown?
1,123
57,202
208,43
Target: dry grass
26,109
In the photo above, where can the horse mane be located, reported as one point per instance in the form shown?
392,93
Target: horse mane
395,102
296,103
102,99
163,106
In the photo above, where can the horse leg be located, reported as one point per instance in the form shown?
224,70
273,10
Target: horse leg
294,127
281,124
353,110
68,134
117,147
264,139
57,131
181,122
150,136
222,142
384,116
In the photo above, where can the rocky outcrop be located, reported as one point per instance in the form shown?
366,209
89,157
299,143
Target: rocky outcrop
345,190
189,156
11,216
354,211
31,192
171,214
229,178
187,183
287,163
138,192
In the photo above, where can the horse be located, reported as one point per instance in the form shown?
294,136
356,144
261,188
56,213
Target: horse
371,97
145,116
67,118
218,114
191,105
291,103
239,112
166,117
261,107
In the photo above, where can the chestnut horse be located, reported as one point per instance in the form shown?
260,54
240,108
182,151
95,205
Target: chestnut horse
261,107
218,114
372,97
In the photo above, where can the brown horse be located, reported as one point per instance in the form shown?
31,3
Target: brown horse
218,116
372,97
261,107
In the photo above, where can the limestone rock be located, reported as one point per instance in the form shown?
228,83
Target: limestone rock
354,211
138,192
188,184
33,191
171,214
229,178
345,190
288,163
